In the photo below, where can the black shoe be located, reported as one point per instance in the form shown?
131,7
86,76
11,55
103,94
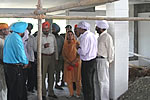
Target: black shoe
53,96
62,84
31,91
74,86
58,87
43,98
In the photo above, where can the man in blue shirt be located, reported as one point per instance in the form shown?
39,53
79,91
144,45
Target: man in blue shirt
15,60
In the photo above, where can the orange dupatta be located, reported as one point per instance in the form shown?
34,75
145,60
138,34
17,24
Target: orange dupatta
69,51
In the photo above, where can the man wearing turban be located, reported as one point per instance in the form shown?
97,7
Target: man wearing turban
32,70
15,61
49,59
68,28
87,51
105,56
60,42
3,88
4,30
76,31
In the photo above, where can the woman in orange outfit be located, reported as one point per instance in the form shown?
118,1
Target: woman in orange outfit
72,64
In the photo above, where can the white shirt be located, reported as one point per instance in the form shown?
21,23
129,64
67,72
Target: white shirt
30,50
105,46
52,45
79,38
25,42
1,47
88,46
35,44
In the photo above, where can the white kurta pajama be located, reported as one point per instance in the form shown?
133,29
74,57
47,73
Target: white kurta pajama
3,87
106,50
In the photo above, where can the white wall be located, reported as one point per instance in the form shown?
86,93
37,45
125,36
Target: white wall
91,22
144,39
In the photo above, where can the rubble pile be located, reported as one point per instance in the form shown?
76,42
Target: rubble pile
137,72
139,84
138,90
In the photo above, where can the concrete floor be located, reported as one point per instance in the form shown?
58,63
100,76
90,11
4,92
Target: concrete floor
62,95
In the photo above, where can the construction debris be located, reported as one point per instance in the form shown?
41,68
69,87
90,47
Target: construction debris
139,87
138,90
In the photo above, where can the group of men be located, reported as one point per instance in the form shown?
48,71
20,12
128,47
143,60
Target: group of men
18,53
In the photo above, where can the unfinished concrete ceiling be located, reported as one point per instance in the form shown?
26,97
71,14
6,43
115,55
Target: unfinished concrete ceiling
31,3
138,1
19,6
47,3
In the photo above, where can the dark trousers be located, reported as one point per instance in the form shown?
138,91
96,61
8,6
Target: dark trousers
25,77
59,68
87,73
14,81
32,77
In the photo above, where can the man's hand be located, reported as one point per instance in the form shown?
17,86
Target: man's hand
77,46
110,64
46,45
56,62
29,65
25,66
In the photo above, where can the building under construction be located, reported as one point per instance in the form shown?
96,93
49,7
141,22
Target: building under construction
129,27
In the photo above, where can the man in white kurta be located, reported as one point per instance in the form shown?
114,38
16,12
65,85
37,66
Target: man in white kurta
3,88
105,55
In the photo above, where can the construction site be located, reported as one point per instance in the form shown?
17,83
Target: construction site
129,22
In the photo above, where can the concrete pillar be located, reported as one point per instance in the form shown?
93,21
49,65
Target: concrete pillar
120,33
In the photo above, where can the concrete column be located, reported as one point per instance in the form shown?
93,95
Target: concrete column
120,33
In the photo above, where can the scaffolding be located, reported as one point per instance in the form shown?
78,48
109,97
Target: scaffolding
40,14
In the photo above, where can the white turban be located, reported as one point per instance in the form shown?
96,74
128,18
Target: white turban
102,24
83,25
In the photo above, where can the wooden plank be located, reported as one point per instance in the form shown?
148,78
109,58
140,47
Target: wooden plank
39,72
80,3
74,17
99,18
